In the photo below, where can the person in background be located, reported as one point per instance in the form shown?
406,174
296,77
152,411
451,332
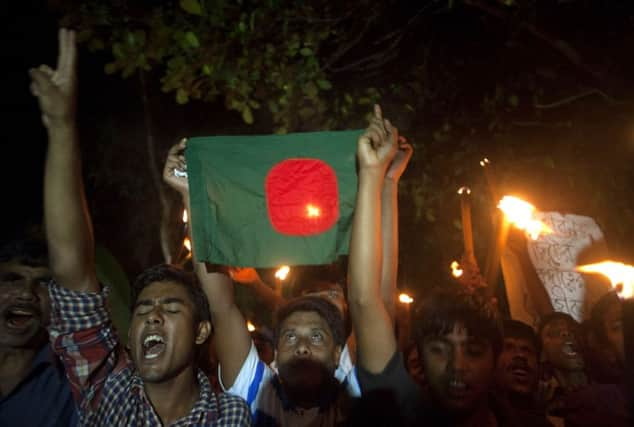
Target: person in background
157,382
29,370
517,372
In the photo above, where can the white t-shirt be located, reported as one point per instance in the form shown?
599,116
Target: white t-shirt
257,383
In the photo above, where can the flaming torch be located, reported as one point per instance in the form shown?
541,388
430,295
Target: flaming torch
405,319
620,275
521,214
456,271
280,275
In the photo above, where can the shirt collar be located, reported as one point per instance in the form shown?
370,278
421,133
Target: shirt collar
205,410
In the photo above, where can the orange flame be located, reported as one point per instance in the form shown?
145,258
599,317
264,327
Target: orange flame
185,216
187,243
312,211
456,271
282,272
620,275
520,213
250,326
405,299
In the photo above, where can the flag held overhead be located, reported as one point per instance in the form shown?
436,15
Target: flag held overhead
262,201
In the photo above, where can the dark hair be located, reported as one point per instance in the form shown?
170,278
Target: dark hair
171,273
553,317
31,252
520,330
597,314
325,309
444,308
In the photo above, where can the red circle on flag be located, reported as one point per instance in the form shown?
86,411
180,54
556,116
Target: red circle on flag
302,197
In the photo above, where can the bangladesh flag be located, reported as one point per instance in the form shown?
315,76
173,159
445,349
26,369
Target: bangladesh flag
263,201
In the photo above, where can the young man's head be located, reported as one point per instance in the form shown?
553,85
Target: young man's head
24,300
517,364
170,321
607,326
458,337
558,333
309,336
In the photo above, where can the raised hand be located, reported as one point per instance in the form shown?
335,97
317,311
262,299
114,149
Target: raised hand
400,161
378,144
56,89
174,167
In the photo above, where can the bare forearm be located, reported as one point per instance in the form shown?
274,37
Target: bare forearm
372,325
389,231
68,225
231,335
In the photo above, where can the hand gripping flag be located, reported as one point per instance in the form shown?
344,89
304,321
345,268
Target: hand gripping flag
262,201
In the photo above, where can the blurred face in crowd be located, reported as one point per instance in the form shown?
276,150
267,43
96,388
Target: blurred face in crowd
459,369
560,345
307,355
517,366
613,330
163,332
24,304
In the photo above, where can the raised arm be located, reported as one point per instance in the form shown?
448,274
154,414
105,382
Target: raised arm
371,322
389,224
68,224
232,338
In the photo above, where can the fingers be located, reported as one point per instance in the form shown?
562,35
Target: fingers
378,114
67,53
40,81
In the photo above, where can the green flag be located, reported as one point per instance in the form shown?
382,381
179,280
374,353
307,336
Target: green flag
263,201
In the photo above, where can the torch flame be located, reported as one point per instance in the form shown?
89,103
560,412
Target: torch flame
185,216
312,211
620,275
464,190
405,299
456,271
187,243
282,272
250,326
484,162
520,213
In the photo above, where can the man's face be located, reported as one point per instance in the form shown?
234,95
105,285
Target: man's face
613,329
459,369
307,355
24,304
162,334
517,366
560,345
333,294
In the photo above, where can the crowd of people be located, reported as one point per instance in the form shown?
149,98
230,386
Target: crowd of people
331,358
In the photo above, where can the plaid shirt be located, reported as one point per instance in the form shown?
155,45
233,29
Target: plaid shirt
103,380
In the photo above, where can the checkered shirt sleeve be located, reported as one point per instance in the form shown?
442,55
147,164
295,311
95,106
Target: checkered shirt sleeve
82,336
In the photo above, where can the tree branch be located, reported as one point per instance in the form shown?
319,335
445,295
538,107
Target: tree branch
553,41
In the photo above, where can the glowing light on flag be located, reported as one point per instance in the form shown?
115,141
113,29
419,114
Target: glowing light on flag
282,272
405,299
456,271
250,326
188,244
620,275
312,211
521,214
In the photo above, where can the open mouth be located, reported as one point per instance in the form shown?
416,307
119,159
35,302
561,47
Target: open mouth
153,346
457,388
520,373
569,349
20,317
